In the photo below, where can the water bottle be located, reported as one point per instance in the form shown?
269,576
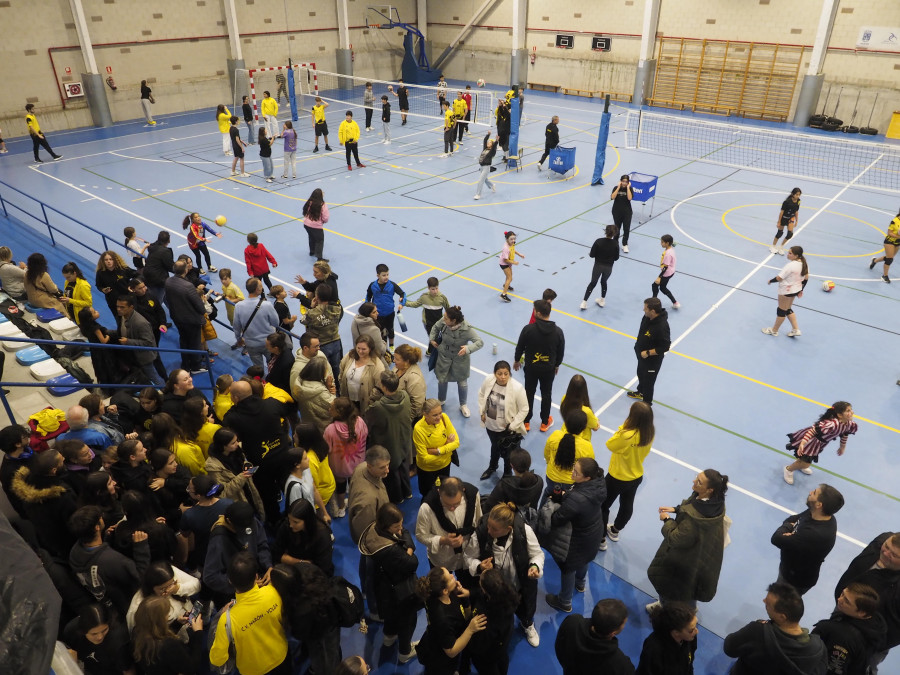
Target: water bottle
494,350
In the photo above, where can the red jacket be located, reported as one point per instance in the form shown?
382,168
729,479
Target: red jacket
258,259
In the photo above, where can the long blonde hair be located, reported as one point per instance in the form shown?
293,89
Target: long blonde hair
151,627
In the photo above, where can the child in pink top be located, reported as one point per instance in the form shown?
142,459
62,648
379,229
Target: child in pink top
315,215
346,438
666,270
507,260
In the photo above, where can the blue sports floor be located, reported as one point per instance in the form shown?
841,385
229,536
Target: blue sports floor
726,395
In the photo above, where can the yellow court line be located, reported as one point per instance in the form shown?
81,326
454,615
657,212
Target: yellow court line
420,274
567,314
812,255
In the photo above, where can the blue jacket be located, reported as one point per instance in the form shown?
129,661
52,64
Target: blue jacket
384,297
264,323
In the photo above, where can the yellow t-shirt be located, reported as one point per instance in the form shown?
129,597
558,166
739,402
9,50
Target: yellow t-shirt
512,253
449,119
322,475
222,404
348,132
190,456
627,461
224,120
33,127
592,422
233,293
894,228
460,107
319,112
269,106
204,437
583,448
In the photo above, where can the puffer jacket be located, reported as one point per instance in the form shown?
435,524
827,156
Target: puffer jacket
395,568
314,403
413,383
48,502
581,508
687,564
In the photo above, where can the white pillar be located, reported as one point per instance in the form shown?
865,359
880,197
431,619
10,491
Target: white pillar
234,35
643,77
422,18
519,60
823,36
84,38
343,17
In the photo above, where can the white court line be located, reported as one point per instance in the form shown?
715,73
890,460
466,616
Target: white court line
737,286
750,494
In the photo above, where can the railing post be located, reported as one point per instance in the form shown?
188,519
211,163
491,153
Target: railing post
105,245
47,223
3,204
9,412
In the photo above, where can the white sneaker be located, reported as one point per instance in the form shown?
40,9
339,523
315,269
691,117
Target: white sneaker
625,248
464,409
795,333
768,331
406,658
601,302
781,250
676,305
773,250
228,152
443,154
807,471
493,189
583,305
245,175
540,168
532,636
788,476
477,197
234,173
603,545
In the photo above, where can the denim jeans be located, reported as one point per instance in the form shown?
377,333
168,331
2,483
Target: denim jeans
268,167
484,180
567,583
462,389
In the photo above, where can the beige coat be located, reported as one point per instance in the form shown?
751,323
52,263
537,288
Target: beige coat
43,294
314,403
413,383
367,495
370,379
234,485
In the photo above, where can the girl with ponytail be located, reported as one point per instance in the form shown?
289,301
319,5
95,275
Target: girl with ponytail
791,281
562,449
808,443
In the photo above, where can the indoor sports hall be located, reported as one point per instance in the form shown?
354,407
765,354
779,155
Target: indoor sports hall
727,394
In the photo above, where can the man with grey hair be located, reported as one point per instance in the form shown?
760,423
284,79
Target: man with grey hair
367,495
254,320
77,418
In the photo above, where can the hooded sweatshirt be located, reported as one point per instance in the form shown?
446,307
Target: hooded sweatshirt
849,642
543,345
762,647
110,577
257,422
523,491
388,422
654,334
581,652
322,322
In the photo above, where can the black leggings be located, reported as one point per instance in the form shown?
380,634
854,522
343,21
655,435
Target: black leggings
624,491
662,287
369,112
352,147
622,220
265,279
201,249
601,272
449,140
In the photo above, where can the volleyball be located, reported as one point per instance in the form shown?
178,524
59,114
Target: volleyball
828,286
390,87
480,82
221,220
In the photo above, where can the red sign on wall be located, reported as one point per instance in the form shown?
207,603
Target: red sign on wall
68,70
109,69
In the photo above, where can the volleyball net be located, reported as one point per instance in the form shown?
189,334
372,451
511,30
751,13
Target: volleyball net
348,91
801,155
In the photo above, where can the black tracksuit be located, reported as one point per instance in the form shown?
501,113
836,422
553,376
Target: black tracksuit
850,642
653,335
551,140
543,345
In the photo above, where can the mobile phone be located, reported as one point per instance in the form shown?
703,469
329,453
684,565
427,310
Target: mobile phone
252,469
196,611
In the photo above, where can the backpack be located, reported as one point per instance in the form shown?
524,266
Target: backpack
529,515
348,600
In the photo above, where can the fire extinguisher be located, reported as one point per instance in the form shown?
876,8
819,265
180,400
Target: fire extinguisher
533,54
352,54
111,82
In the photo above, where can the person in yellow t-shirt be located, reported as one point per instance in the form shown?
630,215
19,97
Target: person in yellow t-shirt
434,439
37,136
269,109
257,631
561,451
230,291
449,129
348,135
629,446
319,124
223,118
460,109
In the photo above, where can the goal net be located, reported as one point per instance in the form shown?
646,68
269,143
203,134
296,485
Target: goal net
348,91
253,82
835,160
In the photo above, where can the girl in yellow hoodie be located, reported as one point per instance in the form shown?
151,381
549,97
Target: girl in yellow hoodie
435,439
629,446
223,117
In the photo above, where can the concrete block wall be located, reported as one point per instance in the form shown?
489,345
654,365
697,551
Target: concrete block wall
187,68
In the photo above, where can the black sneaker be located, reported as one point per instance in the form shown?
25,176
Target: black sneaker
56,158
872,264
505,297
555,603
885,278
636,395
510,288
488,472
316,149
328,147
38,161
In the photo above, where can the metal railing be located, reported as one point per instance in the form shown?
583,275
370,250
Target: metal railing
91,385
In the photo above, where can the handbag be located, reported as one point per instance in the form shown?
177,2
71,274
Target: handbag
230,666
209,331
433,357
